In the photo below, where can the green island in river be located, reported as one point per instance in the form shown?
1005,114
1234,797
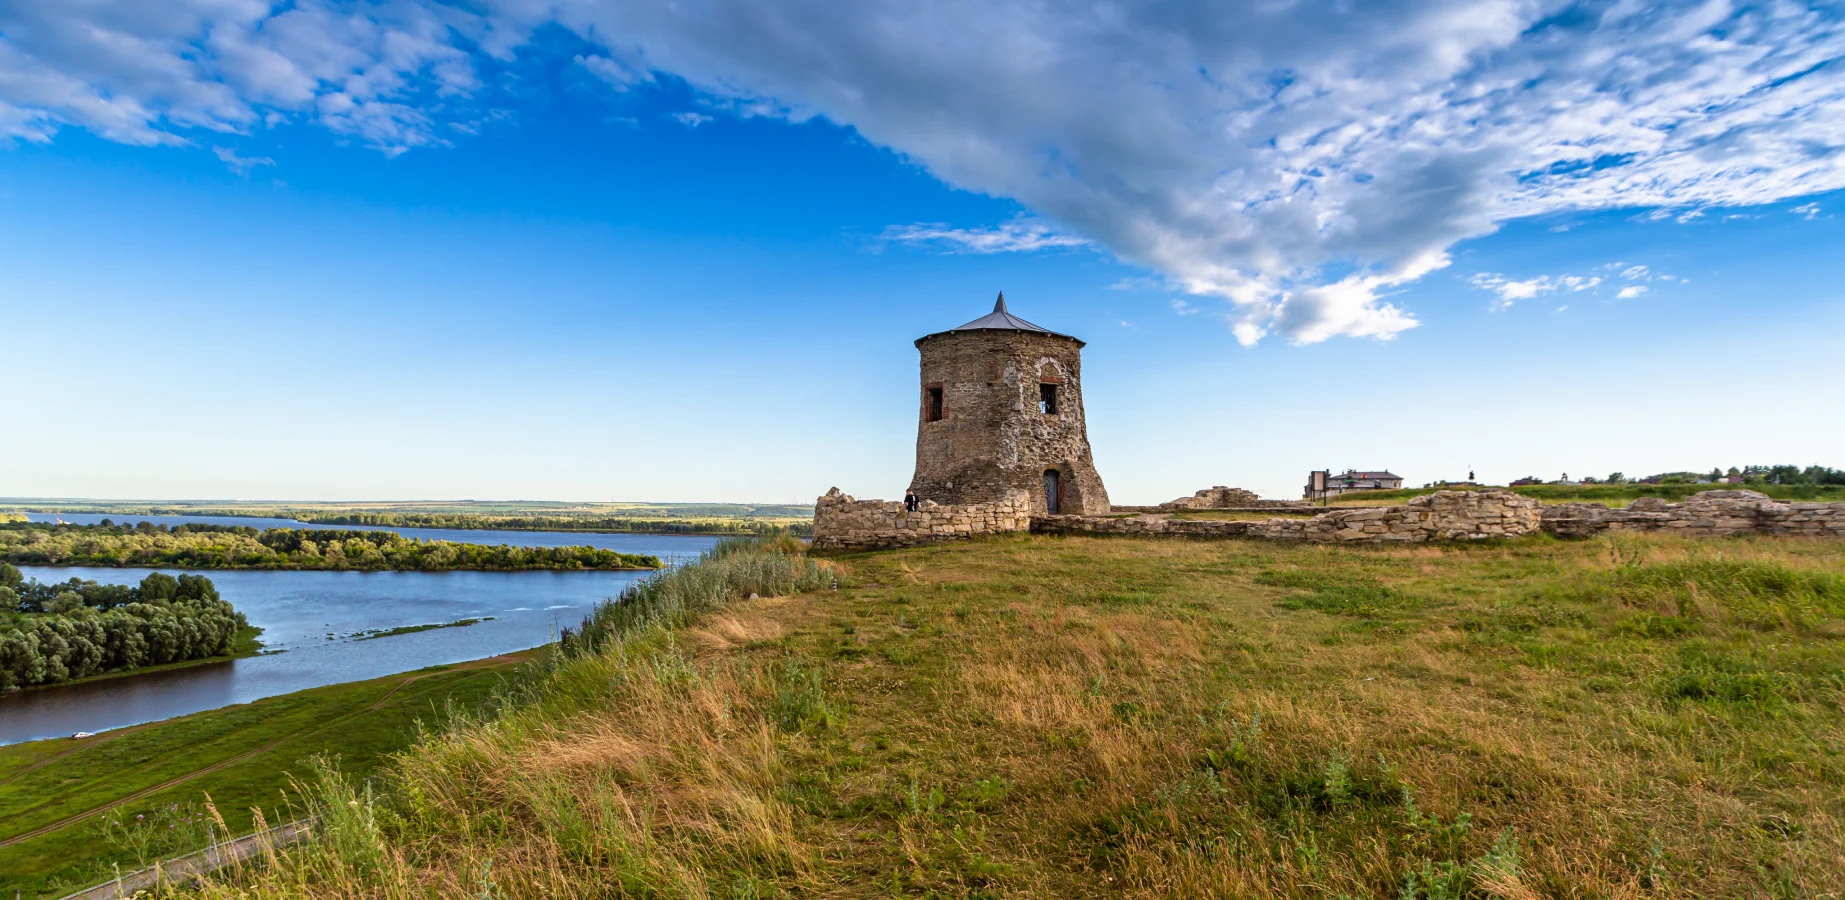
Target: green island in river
239,547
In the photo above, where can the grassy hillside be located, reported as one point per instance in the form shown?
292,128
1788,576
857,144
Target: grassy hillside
1610,494
1031,716
240,756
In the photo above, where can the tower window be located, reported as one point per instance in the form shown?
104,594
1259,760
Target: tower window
933,404
1047,399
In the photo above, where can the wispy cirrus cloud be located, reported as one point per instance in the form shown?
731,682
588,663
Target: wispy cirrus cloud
1023,236
1510,291
1303,162
242,165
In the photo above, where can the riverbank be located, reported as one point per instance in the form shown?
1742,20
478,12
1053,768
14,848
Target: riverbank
317,618
287,549
1625,715
53,793
248,643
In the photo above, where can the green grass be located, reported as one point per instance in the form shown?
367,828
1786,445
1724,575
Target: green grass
1105,717
412,629
74,776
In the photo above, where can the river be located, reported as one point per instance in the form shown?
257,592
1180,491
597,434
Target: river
316,617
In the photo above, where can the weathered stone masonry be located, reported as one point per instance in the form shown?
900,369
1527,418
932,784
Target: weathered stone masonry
984,432
1443,515
844,523
1709,513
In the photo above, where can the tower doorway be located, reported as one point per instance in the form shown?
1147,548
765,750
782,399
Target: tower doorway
1053,491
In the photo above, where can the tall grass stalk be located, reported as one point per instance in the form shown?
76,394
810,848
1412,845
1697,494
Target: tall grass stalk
623,769
731,570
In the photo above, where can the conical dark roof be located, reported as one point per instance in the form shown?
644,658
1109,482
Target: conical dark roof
999,320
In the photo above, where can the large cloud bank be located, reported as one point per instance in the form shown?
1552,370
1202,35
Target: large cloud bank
1300,159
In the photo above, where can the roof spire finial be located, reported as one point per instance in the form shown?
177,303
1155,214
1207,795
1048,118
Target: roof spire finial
999,306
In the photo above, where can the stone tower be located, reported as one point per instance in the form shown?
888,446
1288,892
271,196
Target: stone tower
1001,412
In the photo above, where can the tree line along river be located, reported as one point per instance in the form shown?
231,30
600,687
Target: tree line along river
318,620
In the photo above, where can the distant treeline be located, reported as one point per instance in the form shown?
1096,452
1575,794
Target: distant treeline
1618,493
722,527
1783,476
242,547
56,632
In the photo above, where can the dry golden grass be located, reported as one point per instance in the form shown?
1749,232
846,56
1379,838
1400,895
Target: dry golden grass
1085,717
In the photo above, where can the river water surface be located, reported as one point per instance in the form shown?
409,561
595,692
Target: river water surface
315,618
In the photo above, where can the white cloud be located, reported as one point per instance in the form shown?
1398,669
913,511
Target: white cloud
152,71
1300,160
620,73
240,164
1808,211
1630,292
691,119
1022,236
1632,272
1510,292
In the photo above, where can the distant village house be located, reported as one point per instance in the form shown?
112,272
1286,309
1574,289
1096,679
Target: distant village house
1322,483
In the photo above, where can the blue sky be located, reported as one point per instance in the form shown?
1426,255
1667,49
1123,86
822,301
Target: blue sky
599,252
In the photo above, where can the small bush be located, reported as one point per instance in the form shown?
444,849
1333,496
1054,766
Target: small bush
800,702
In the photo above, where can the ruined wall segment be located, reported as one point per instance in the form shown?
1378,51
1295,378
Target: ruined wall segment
985,431
1441,516
1720,513
1219,497
844,523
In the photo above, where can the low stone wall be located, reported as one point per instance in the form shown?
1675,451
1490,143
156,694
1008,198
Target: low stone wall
1215,497
1218,498
1443,515
844,523
1708,513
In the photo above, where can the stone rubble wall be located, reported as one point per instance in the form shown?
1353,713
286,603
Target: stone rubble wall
844,523
1443,515
1215,498
1718,513
1219,497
